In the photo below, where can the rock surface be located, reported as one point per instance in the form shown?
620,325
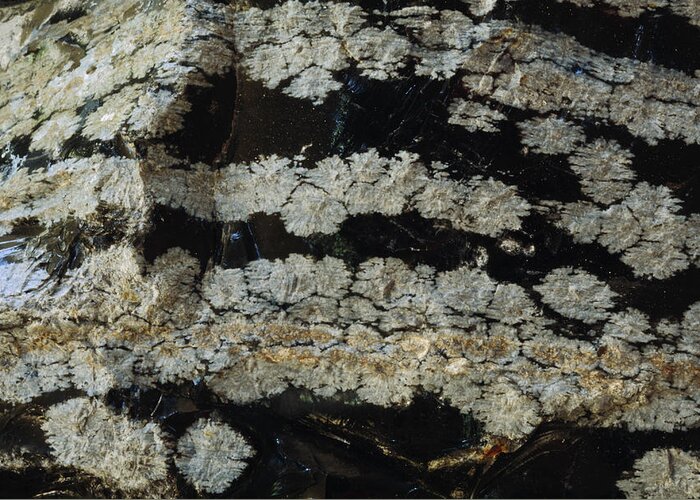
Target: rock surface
240,236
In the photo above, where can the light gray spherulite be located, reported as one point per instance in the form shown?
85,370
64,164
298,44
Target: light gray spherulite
481,7
630,325
655,239
181,38
635,8
663,473
616,90
518,415
76,187
300,46
426,312
576,294
474,116
211,455
319,199
551,135
604,169
86,434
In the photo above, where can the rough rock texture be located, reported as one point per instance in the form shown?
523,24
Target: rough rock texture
221,204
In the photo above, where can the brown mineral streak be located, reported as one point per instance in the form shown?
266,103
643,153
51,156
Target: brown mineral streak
277,338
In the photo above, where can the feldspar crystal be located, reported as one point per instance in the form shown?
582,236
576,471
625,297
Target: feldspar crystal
345,249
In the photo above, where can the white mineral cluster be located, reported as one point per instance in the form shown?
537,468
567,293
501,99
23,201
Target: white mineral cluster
77,187
481,7
211,455
78,76
635,8
576,294
319,199
641,221
551,135
651,102
664,473
507,63
85,434
383,330
605,170
655,240
474,116
302,46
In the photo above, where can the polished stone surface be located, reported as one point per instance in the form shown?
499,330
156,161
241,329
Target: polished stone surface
326,249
